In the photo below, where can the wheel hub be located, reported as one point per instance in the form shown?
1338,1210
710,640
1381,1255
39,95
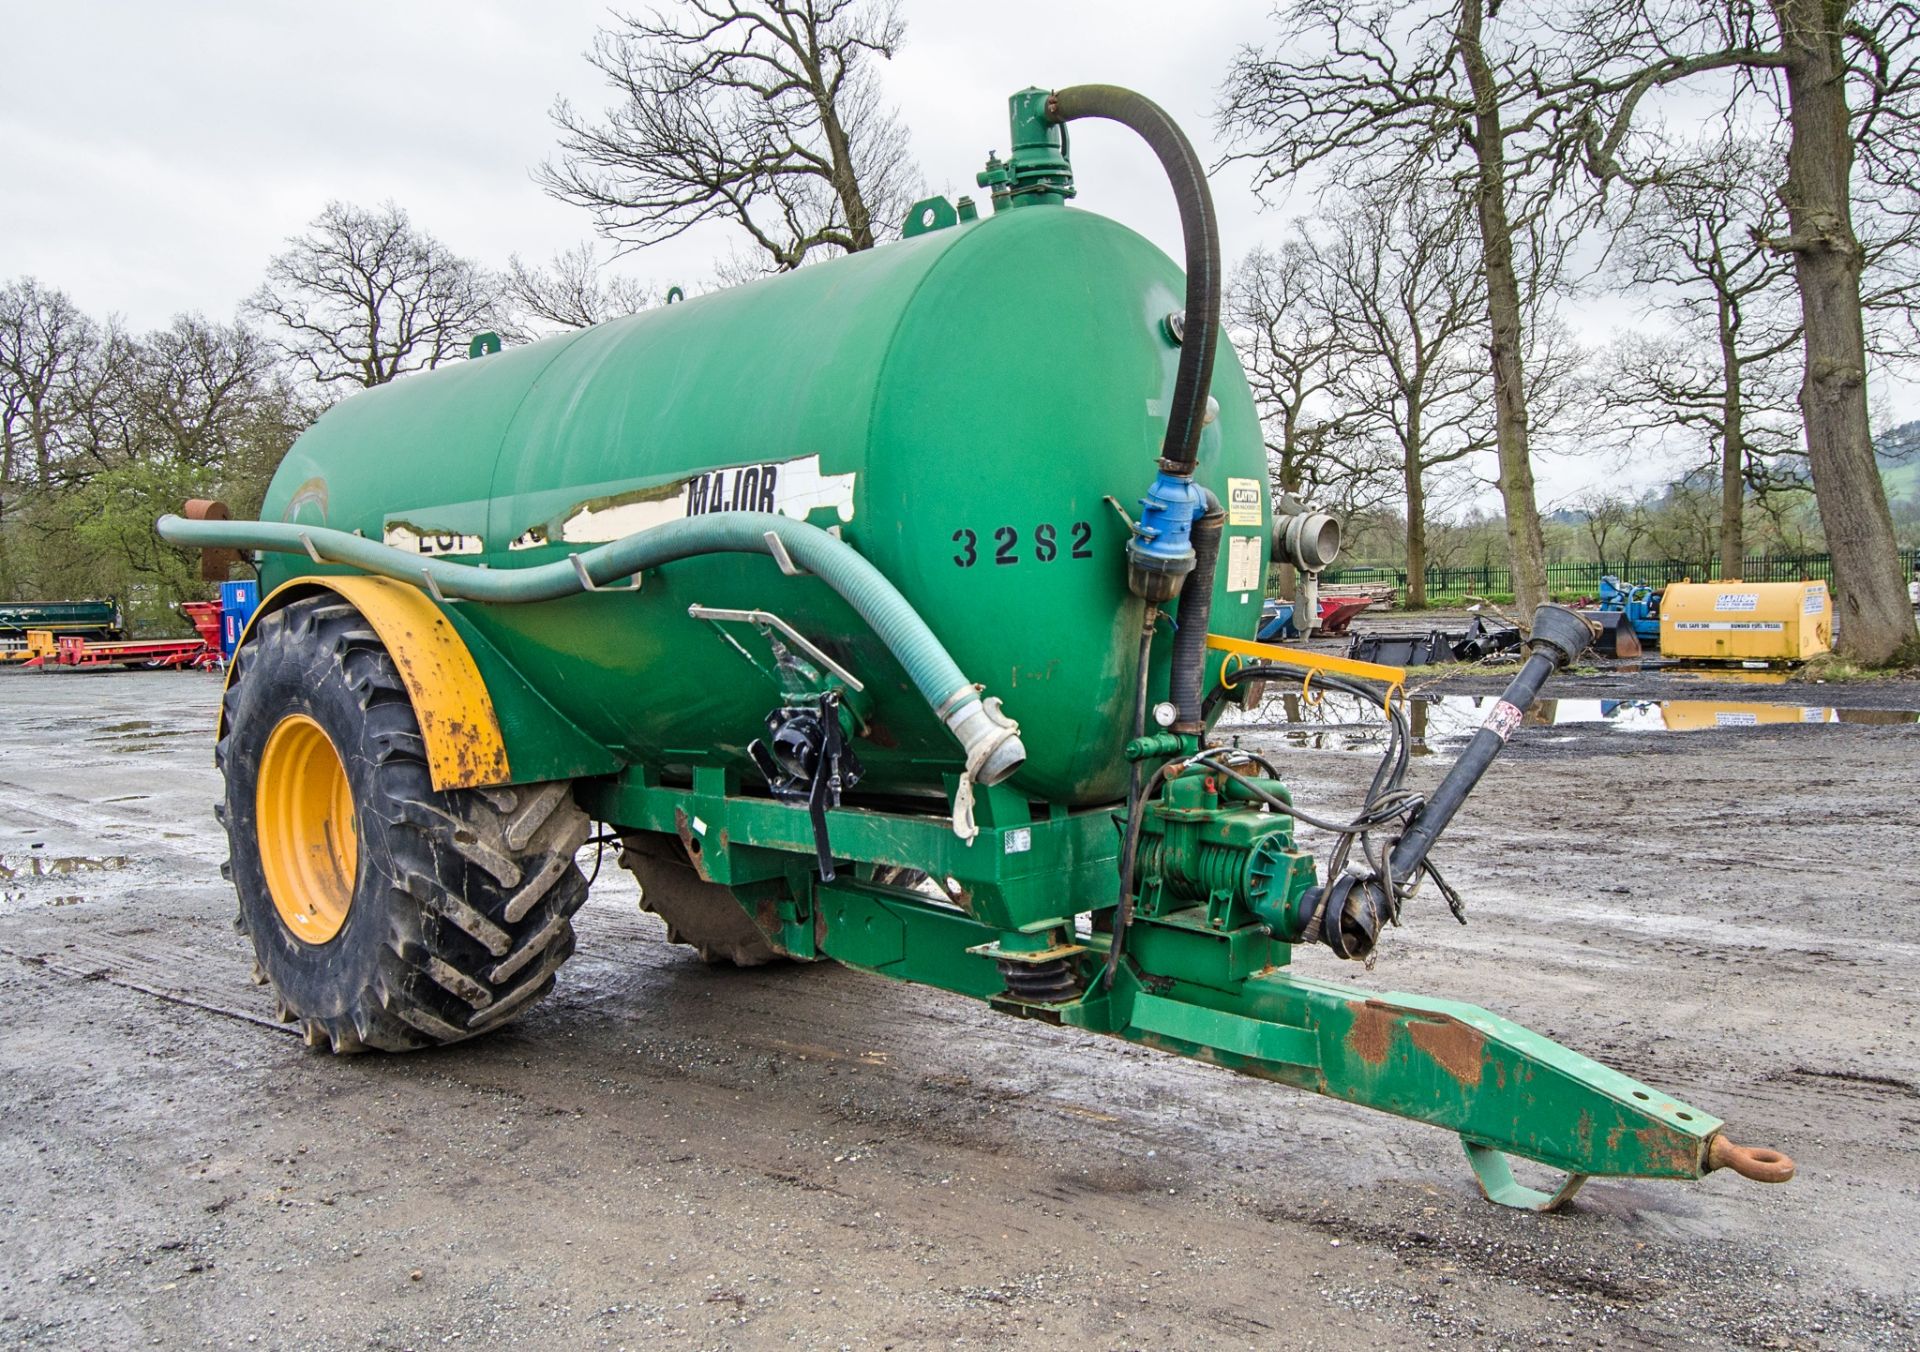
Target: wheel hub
309,849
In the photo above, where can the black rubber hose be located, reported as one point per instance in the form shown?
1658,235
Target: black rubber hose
1352,910
1123,911
1559,637
1196,611
1201,236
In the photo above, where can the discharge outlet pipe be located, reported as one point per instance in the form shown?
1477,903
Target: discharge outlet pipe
992,741
1355,909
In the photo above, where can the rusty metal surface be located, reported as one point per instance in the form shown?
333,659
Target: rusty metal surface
465,746
1755,1162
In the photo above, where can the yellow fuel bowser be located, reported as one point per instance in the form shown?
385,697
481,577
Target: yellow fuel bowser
1746,621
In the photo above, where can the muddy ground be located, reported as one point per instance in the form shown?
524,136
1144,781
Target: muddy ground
664,1155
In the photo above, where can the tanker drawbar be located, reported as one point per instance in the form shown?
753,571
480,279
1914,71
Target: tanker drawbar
881,612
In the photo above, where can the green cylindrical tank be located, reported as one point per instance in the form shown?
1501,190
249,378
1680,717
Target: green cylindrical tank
966,407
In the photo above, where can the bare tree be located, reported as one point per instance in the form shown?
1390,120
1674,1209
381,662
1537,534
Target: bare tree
1612,521
364,298
765,114
1697,239
200,389
1404,299
1846,83
1510,99
46,344
1286,342
1398,90
573,291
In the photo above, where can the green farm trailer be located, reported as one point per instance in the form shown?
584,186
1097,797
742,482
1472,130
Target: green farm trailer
883,610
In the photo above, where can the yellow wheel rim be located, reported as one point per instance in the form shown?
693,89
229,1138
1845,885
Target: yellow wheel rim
304,814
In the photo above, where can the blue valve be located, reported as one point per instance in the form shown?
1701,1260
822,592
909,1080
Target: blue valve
1160,554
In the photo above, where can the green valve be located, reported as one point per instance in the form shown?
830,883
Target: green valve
1161,745
1037,173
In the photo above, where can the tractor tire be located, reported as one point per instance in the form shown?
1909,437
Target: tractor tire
383,912
702,915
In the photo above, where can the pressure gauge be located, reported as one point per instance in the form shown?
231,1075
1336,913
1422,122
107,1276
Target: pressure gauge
1164,713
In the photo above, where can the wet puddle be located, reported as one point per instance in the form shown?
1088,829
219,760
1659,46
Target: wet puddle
32,865
1339,722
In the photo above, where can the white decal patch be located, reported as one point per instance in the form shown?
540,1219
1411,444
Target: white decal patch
1243,563
793,488
1737,601
1740,626
606,519
1816,601
426,540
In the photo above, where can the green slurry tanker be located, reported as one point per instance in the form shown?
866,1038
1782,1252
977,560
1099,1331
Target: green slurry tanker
882,609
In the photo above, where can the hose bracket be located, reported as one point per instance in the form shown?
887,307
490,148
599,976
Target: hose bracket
588,584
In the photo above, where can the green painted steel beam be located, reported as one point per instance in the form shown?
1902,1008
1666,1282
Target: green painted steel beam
1499,1085
1223,997
1019,873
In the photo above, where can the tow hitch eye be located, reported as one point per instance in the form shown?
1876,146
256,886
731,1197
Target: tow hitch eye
1755,1162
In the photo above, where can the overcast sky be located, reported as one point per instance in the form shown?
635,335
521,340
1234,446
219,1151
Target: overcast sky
154,156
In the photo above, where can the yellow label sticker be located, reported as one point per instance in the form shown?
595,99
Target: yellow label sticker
1243,501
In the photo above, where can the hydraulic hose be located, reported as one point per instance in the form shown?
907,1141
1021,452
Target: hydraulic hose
1200,234
1123,913
1559,636
1196,611
1348,913
992,741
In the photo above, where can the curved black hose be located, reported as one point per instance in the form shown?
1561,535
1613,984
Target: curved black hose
1196,611
1200,234
1129,847
1388,804
1123,913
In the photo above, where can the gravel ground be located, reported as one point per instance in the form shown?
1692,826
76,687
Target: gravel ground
663,1154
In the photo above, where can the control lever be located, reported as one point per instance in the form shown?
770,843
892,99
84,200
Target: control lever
806,758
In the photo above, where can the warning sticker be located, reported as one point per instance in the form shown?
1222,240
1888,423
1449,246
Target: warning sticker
1243,563
1736,719
1816,601
1737,601
1243,501
1503,720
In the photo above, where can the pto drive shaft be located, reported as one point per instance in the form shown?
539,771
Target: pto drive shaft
1356,907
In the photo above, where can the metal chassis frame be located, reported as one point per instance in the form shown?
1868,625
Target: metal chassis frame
1228,998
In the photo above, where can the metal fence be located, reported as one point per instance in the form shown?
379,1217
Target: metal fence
1585,577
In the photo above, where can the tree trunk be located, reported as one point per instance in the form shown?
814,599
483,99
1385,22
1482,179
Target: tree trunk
1733,453
1526,547
1416,535
846,182
1870,599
